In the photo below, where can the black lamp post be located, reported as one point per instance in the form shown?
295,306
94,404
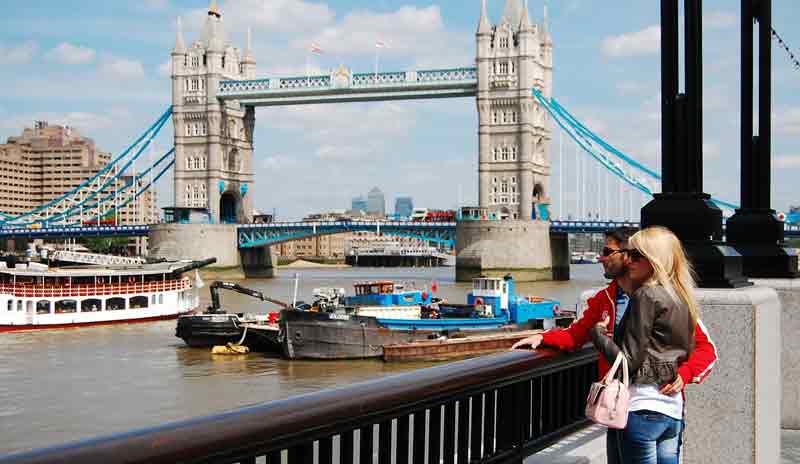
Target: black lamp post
754,230
682,206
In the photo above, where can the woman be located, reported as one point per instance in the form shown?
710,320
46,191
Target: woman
656,335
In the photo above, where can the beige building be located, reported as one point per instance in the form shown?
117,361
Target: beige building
47,161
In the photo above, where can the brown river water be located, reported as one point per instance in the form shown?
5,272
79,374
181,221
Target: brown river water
65,385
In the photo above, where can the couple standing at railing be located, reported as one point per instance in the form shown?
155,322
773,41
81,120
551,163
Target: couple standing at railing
648,318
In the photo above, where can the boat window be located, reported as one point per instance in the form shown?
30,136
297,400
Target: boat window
504,287
152,299
115,304
43,307
10,305
138,302
161,299
91,305
66,306
19,305
29,307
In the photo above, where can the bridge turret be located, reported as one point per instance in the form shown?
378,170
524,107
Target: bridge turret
213,139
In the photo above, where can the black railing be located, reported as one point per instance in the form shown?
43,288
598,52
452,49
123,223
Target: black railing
494,409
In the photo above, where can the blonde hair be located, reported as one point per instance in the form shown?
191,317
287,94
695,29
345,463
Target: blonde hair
671,268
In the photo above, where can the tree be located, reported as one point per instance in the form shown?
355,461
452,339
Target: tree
106,245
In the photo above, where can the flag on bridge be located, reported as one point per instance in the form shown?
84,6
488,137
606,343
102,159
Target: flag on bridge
381,44
315,48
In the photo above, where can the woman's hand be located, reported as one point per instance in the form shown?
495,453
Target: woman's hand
604,323
671,388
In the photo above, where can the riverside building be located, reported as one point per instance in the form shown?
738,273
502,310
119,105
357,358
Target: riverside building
46,161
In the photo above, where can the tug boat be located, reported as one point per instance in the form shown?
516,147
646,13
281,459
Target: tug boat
35,296
347,332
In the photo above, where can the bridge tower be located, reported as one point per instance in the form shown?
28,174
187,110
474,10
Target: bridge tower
213,139
513,57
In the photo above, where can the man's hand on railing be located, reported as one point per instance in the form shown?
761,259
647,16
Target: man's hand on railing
533,341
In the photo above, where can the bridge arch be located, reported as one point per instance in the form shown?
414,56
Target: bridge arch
230,205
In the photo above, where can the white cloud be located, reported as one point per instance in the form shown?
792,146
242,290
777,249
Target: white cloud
85,122
644,42
786,121
165,69
276,15
720,20
787,161
711,150
66,53
17,54
122,68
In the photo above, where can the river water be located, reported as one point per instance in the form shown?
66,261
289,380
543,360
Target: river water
63,385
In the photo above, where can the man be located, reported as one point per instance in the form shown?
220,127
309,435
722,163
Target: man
612,302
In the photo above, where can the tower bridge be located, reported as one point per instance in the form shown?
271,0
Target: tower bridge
215,94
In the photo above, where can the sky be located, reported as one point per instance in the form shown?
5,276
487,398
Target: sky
103,67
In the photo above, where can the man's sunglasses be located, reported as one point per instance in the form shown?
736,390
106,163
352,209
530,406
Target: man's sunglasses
608,251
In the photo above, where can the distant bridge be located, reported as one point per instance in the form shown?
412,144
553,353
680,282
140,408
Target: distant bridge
257,235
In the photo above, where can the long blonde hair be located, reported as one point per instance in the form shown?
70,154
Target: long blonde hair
671,268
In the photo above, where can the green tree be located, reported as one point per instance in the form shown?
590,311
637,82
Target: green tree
106,245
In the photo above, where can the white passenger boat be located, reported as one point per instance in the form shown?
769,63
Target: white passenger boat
33,296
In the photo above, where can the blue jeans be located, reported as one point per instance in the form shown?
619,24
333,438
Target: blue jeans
649,438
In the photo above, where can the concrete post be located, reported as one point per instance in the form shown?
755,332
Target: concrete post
734,416
789,294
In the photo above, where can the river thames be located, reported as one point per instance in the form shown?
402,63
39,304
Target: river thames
64,385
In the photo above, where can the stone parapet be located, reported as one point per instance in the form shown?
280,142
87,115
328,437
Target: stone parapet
195,241
734,416
497,248
789,294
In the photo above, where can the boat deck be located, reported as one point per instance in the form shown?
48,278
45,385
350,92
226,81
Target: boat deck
454,348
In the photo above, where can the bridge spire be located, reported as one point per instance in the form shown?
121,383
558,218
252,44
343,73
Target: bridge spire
525,19
248,51
512,12
180,47
213,10
483,24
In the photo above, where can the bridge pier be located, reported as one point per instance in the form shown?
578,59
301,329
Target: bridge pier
497,248
199,241
559,250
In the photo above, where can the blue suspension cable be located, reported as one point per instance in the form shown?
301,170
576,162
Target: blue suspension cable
155,126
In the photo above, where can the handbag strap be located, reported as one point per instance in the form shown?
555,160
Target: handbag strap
621,359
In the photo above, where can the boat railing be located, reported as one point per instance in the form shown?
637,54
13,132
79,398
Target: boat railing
99,289
499,409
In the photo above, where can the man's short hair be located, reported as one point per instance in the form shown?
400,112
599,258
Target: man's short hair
621,235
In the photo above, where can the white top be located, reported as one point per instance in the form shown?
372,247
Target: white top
647,397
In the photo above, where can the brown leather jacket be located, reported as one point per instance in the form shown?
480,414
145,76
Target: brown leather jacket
656,335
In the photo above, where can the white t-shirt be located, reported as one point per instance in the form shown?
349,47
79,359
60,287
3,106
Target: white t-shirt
647,397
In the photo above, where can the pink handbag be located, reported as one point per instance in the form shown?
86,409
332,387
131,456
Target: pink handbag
608,400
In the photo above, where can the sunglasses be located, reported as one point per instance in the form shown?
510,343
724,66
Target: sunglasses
634,254
608,251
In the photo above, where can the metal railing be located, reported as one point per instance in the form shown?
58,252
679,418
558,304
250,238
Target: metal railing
494,409
120,288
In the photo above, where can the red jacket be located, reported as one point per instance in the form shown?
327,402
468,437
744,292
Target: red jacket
694,370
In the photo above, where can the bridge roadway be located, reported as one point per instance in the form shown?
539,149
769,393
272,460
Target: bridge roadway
257,235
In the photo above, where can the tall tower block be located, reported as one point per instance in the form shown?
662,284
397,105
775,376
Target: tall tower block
514,56
213,139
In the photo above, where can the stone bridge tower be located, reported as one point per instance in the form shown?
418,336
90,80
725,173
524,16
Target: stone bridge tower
514,57
213,139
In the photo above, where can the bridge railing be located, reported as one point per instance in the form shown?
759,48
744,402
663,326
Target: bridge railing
493,409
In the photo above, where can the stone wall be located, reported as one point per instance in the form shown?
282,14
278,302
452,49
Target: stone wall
734,416
496,248
789,294
195,241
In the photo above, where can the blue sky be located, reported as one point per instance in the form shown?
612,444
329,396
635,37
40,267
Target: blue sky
102,67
